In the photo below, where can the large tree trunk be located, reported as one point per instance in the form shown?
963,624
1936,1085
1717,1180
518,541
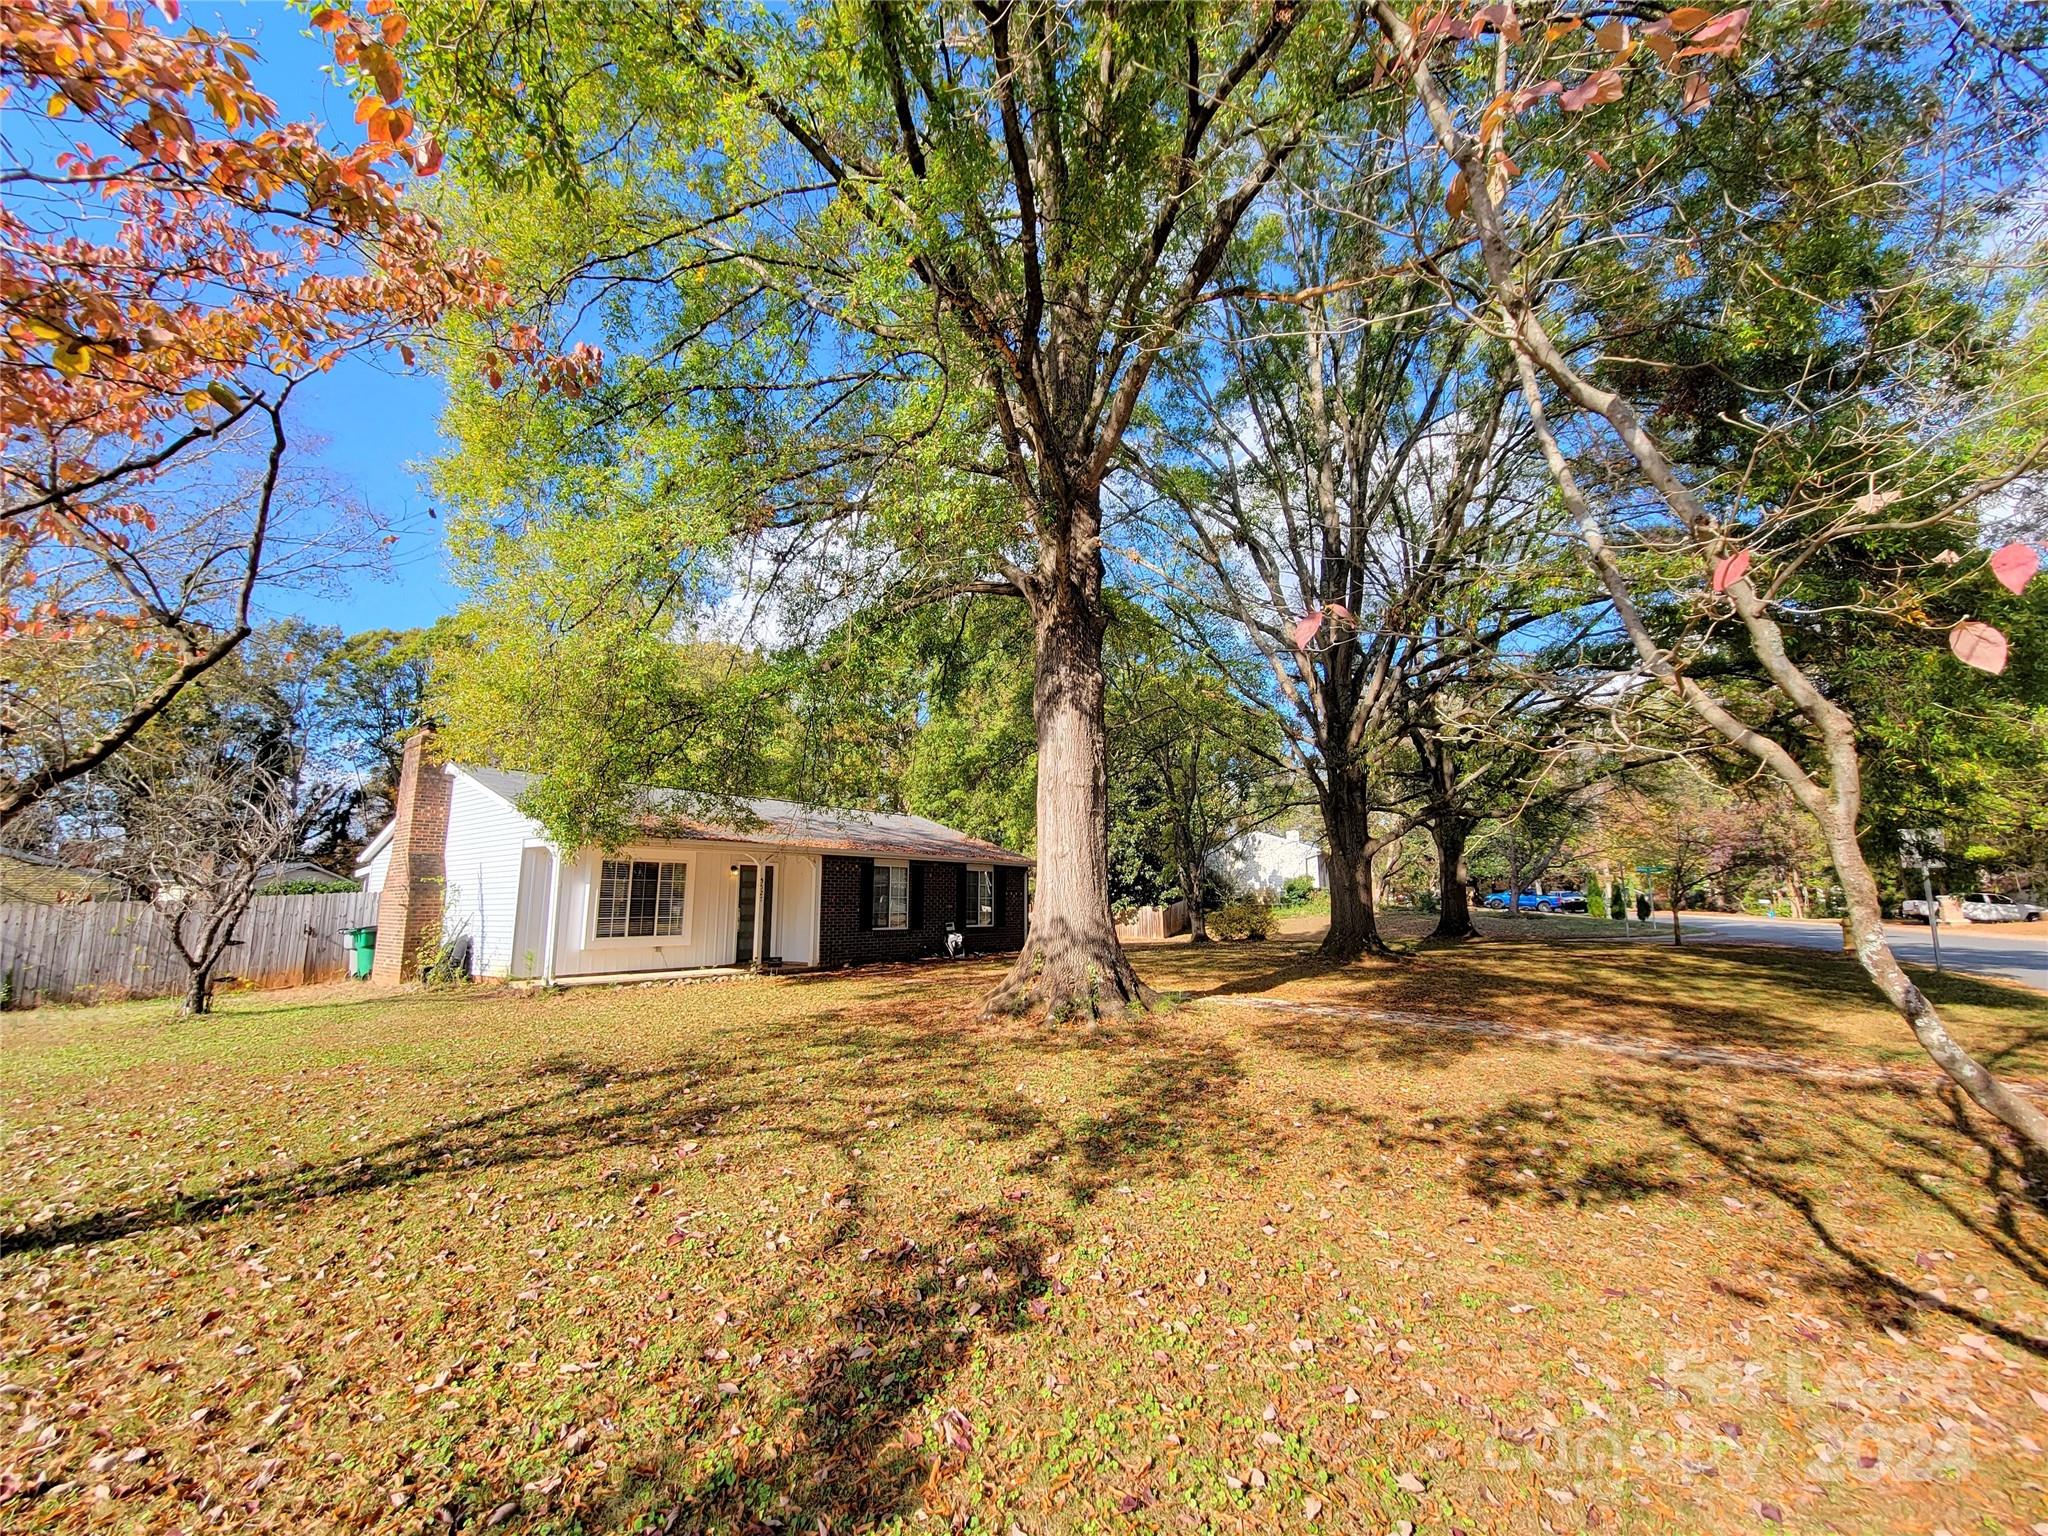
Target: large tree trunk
1354,930
1191,889
1071,963
1453,909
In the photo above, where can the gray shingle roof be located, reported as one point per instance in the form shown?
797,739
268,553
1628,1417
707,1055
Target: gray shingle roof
785,824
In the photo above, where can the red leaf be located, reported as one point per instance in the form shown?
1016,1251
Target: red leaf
1502,19
2015,565
1339,611
1305,629
1598,159
1728,25
1595,90
1730,569
1978,645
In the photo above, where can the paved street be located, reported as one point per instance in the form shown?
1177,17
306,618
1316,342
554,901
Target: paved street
2016,951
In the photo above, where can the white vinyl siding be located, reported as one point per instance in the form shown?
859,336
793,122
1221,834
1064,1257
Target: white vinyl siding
487,840
892,897
710,923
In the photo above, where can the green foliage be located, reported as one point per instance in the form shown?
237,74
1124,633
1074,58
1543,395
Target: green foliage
306,887
1242,917
849,334
1297,891
606,707
1191,763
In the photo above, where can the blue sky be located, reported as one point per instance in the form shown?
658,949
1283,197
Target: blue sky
377,423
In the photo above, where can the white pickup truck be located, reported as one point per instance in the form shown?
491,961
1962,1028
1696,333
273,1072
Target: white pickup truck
1979,907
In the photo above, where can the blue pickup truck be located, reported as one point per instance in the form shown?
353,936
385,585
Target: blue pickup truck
1539,901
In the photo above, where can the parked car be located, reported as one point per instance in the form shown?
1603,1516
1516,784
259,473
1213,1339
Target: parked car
1533,901
1979,907
1987,907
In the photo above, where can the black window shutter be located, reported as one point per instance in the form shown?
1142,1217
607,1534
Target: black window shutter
962,913
917,873
998,885
866,881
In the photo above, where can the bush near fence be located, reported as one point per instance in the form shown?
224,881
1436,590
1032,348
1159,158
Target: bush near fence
95,950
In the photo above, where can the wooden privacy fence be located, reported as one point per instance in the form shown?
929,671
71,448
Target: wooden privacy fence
1155,922
102,949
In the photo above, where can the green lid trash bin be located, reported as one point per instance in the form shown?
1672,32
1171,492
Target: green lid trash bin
362,945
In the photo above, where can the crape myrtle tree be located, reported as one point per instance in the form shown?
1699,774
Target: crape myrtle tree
175,260
877,276
1342,494
222,785
1923,402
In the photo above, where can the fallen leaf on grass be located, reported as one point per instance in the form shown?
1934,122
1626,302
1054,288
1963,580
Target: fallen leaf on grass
1408,1482
957,1430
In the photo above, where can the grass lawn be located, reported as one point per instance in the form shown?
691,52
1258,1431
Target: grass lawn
832,1254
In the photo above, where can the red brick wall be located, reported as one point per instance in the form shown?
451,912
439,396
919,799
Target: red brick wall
843,939
409,910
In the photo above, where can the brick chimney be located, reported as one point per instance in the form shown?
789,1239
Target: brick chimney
409,910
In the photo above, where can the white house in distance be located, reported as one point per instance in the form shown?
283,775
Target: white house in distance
792,886
1265,861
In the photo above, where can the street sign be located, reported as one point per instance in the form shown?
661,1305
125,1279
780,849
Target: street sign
1917,850
1918,847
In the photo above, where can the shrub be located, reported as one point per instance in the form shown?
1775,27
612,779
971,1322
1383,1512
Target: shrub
1244,917
449,966
1297,891
306,887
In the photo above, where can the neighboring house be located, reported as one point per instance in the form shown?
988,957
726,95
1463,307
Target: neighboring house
1265,861
460,861
38,878
299,872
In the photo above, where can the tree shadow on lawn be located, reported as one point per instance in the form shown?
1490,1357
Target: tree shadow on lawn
581,1103
1167,1113
846,1449
537,1127
1787,1156
1731,996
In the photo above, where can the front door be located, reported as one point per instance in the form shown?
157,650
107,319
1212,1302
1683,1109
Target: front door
743,945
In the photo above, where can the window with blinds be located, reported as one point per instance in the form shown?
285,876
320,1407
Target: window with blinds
640,899
981,898
892,896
